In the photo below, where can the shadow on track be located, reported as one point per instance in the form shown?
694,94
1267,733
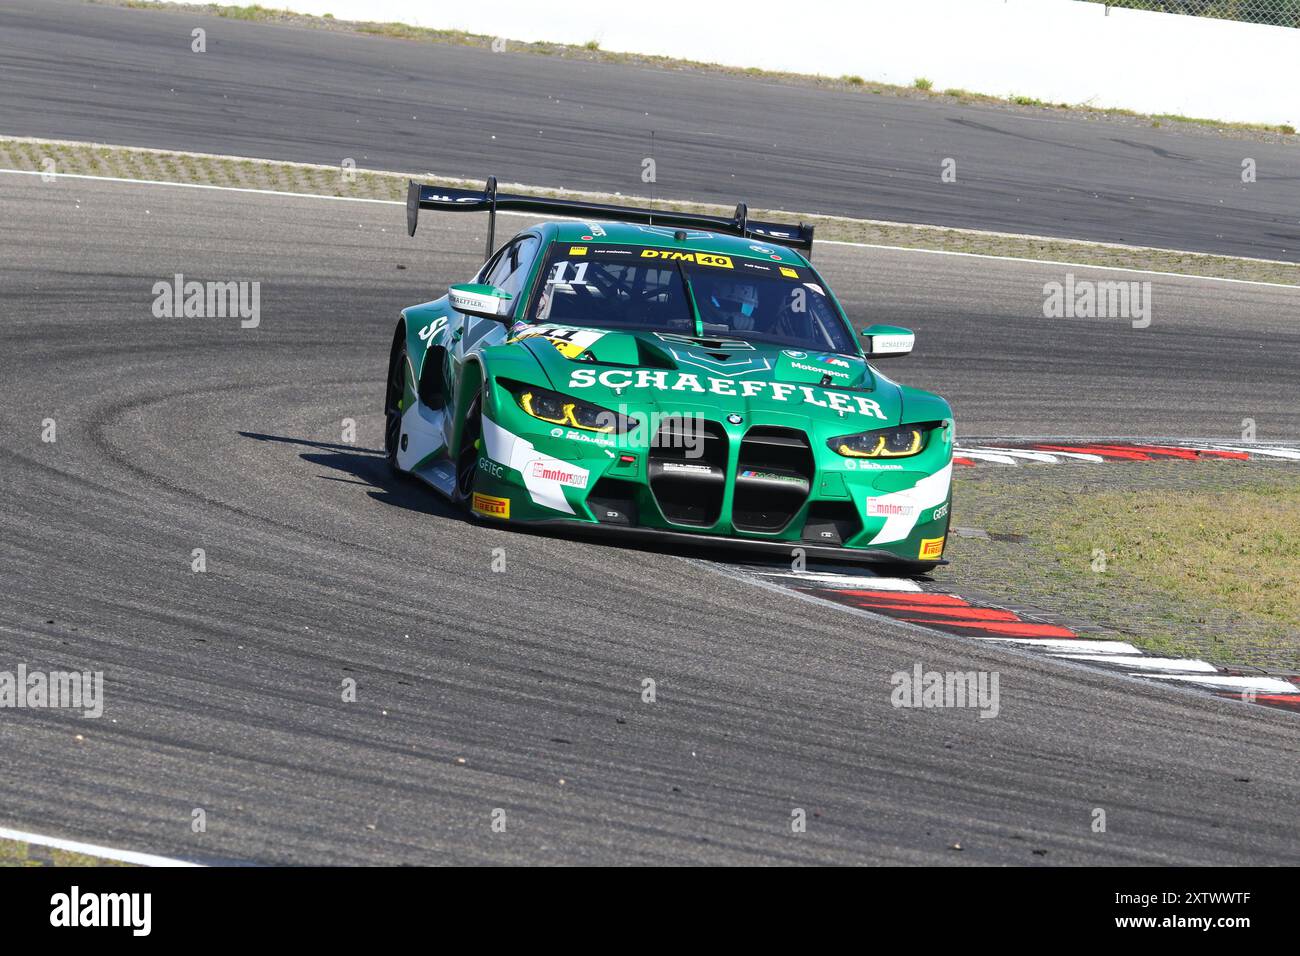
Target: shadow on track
369,467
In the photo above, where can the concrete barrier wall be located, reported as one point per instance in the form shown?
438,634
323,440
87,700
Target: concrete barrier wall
1053,50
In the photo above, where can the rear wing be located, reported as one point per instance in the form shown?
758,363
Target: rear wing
448,199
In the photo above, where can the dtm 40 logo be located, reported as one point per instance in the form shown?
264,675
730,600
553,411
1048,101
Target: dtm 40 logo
699,258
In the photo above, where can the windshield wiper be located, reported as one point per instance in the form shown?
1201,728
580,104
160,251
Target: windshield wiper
690,297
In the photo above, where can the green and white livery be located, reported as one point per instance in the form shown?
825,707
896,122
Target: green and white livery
689,378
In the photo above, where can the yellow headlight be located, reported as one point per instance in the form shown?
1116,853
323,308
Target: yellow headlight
552,408
883,443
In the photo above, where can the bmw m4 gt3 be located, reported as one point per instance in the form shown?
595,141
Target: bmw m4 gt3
646,373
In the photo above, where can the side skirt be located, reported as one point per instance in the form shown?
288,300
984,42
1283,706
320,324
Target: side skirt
440,476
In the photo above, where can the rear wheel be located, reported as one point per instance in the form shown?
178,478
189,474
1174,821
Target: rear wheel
394,403
471,442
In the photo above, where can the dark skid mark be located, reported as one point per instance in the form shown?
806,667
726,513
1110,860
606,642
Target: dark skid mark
1162,153
986,128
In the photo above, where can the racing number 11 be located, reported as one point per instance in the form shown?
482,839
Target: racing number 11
579,273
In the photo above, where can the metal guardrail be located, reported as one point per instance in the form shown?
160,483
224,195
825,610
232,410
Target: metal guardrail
1278,13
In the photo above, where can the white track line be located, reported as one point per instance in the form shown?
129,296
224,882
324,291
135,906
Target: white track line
1042,456
1148,663
1049,457
1262,685
227,189
1269,452
91,849
1081,456
825,242
1079,265
984,456
1068,644
847,580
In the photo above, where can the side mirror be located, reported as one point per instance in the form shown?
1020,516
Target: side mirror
483,301
888,341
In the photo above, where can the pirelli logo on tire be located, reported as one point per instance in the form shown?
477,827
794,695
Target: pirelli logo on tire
491,507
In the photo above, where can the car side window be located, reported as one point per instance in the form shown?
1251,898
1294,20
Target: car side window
487,270
510,271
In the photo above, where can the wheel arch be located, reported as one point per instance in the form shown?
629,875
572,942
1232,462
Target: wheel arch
472,377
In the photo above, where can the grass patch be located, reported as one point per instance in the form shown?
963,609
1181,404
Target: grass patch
205,169
15,853
1239,550
1201,559
922,84
251,11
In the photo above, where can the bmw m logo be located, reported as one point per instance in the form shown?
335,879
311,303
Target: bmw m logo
734,419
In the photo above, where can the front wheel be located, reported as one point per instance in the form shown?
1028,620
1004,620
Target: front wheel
471,442
395,403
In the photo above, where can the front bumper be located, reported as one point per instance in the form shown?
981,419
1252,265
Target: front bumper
704,542
771,487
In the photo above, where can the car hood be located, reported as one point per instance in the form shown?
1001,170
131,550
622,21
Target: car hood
672,372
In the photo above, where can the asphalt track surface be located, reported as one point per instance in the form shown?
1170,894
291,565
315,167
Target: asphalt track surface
223,689
76,71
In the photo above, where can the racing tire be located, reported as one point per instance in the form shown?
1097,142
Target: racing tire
467,453
394,396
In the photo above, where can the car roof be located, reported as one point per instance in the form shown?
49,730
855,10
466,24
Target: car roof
698,240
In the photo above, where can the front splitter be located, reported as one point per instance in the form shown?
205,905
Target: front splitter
663,537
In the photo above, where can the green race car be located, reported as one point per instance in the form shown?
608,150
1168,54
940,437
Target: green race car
649,373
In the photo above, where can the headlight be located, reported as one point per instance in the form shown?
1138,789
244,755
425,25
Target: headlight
560,409
897,442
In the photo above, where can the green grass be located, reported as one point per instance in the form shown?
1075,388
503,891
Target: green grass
14,853
922,84
252,11
1201,559
1239,550
164,165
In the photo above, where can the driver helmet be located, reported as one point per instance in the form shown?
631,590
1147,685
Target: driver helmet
736,302
794,316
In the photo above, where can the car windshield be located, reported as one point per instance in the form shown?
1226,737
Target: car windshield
645,289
